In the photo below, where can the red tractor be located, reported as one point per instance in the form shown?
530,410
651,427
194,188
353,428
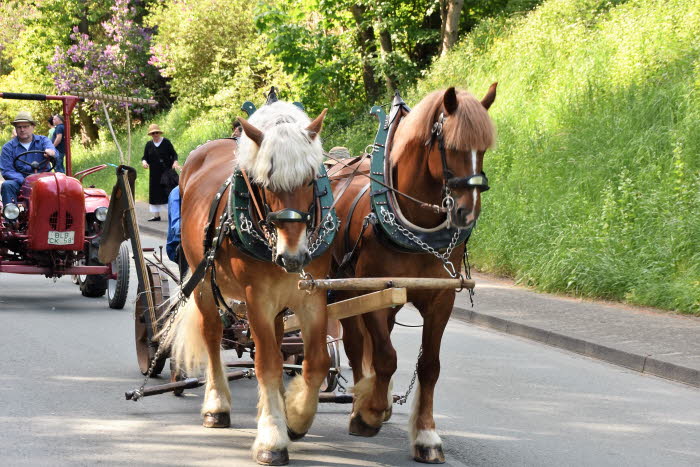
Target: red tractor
55,227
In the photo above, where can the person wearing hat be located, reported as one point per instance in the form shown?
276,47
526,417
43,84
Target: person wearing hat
159,157
25,141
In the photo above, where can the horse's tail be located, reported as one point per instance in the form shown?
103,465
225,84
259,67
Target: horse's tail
185,339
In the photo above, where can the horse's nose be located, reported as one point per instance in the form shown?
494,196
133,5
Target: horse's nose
293,263
464,217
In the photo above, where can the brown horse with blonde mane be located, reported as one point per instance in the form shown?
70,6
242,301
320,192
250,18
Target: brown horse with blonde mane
280,152
417,168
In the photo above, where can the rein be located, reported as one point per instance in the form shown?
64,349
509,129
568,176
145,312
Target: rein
422,204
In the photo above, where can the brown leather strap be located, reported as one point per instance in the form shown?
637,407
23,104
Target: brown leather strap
252,194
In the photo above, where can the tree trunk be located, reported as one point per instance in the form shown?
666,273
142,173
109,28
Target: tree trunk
89,133
368,49
387,49
450,10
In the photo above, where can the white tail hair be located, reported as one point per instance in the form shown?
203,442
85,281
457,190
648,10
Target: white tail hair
288,155
187,346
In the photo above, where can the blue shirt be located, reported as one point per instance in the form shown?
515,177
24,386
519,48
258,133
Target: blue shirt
13,148
173,240
59,130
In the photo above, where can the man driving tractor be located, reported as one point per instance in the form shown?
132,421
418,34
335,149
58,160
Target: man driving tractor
12,164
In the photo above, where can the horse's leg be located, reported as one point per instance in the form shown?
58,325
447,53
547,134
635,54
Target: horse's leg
426,444
216,408
302,394
270,446
371,394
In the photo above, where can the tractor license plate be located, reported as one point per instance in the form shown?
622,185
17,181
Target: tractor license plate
61,238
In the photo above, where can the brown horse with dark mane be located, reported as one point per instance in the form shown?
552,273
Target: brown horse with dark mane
429,170
280,152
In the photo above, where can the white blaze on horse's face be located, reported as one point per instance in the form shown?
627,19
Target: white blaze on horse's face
290,218
292,253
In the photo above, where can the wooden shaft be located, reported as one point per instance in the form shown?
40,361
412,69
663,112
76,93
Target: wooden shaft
378,283
356,306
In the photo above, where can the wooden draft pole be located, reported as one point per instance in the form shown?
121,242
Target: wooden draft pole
378,283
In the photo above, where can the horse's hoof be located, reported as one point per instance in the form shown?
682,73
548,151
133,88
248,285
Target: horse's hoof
387,413
217,420
264,457
359,427
428,454
293,435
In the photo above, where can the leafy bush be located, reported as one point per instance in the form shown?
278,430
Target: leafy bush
596,177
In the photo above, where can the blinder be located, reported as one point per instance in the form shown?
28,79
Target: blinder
479,181
288,215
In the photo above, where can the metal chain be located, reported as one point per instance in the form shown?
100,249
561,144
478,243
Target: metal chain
468,272
164,333
248,227
328,226
390,218
402,399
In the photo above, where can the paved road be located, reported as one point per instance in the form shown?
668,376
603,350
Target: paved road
66,361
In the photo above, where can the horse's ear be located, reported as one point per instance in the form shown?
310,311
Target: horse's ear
314,127
490,96
449,100
251,132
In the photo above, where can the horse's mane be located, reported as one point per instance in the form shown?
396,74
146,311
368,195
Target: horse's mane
288,155
470,127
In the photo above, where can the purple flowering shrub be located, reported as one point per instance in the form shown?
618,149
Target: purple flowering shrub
113,60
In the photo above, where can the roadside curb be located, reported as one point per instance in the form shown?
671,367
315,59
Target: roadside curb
641,363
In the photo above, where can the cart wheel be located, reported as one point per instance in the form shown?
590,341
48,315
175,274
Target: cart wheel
331,381
145,347
118,289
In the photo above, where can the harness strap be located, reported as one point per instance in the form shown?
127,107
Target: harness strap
252,194
209,252
350,214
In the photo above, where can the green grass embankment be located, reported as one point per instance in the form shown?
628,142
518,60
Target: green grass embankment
596,177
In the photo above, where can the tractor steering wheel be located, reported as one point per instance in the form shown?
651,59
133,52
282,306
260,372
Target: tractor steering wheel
35,165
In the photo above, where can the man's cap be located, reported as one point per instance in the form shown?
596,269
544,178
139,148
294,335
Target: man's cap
24,117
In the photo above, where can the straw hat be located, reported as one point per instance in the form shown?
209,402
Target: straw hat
24,117
340,152
153,128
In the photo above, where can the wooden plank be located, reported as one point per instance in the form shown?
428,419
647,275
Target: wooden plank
378,283
356,306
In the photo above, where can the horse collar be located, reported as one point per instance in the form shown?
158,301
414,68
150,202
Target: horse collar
388,222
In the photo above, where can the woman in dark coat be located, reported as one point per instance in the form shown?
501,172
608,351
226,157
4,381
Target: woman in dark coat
159,156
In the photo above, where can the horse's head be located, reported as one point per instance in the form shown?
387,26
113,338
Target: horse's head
461,133
281,152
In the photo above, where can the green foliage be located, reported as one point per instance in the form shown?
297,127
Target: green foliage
596,177
318,50
211,53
